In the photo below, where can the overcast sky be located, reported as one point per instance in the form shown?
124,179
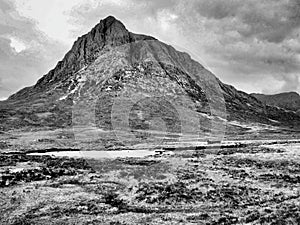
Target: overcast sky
251,44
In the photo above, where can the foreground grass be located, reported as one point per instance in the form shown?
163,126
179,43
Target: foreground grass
257,185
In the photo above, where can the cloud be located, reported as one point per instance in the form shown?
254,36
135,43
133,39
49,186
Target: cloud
2,89
252,44
25,52
265,20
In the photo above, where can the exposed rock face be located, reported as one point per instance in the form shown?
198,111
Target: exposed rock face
109,32
109,62
289,100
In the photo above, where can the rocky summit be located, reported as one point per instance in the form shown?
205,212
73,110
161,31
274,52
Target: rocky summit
113,79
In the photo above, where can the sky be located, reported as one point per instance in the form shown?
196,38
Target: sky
253,45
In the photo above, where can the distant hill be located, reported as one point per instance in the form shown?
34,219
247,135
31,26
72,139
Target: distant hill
288,100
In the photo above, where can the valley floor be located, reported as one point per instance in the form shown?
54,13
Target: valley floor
248,185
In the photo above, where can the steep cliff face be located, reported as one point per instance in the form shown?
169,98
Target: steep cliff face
110,66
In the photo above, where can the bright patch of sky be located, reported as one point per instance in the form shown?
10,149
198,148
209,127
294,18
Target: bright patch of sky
17,45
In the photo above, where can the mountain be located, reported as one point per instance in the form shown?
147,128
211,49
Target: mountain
288,100
114,79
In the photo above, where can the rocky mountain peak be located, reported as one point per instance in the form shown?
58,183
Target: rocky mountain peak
109,32
109,20
110,60
112,23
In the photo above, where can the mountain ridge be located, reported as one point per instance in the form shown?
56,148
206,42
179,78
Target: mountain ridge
109,61
285,100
